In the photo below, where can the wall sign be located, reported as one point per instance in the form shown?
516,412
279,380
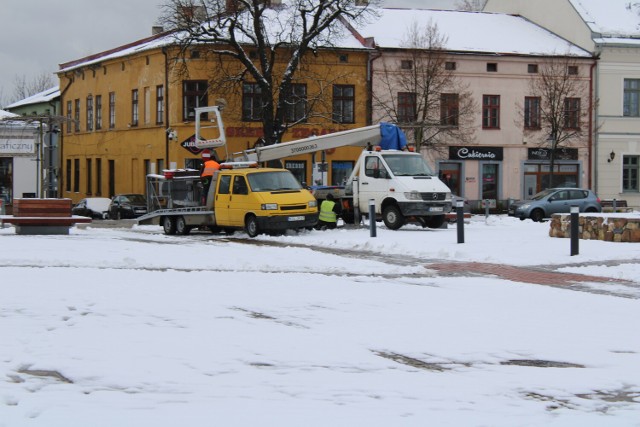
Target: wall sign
475,153
545,154
12,145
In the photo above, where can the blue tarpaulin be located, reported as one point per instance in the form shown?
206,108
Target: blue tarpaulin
392,137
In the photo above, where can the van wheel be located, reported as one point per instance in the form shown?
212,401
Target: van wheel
537,215
181,226
168,225
251,226
392,217
434,221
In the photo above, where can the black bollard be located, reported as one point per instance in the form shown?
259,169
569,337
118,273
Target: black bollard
486,208
575,230
614,205
372,217
460,220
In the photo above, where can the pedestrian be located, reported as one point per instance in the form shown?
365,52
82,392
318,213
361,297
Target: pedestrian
329,212
209,166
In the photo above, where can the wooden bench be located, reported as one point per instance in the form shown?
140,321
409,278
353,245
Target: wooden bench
621,206
42,216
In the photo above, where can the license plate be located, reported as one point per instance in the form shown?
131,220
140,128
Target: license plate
296,218
436,209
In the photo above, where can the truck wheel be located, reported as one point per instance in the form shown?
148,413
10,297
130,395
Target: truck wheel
181,226
168,225
251,226
434,221
392,217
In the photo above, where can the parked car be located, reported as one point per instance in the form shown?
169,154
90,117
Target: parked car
127,206
92,207
555,200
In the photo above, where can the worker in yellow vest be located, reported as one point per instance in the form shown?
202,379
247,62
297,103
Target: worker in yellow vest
329,211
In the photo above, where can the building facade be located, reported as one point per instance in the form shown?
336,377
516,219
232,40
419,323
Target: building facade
130,112
611,33
507,155
19,155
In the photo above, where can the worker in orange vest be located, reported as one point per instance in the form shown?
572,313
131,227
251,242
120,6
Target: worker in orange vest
209,166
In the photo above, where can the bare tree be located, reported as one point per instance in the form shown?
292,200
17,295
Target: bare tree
260,41
422,94
556,115
25,87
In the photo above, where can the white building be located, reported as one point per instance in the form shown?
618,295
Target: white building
495,57
19,171
611,30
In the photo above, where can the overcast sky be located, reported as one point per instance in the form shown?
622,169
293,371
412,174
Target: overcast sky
37,35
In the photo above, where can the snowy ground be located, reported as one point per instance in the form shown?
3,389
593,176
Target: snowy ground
128,327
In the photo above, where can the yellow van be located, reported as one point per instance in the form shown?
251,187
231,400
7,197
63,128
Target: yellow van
261,200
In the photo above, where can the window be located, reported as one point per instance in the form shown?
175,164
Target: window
147,105
298,168
76,175
532,112
532,68
492,67
491,111
77,116
406,64
572,113
450,66
406,107
67,185
631,103
89,113
340,172
296,103
69,115
449,109
572,70
343,58
159,105
98,177
630,173
343,103
194,95
134,107
251,102
89,173
98,112
112,110
240,185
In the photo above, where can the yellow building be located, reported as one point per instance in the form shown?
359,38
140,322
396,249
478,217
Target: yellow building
130,112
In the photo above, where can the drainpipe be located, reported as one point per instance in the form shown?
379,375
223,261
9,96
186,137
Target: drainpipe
166,107
372,57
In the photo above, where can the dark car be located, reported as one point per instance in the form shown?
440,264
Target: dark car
127,206
555,200
92,207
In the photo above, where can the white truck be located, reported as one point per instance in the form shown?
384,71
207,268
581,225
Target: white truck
399,183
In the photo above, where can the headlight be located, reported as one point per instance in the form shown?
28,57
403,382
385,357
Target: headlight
525,206
313,204
414,195
269,207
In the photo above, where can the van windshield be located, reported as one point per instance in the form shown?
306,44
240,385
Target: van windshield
407,165
273,181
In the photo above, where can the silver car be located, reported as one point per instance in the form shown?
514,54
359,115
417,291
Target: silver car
555,200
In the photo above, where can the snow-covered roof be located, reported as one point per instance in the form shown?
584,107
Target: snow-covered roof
611,18
472,32
38,98
6,115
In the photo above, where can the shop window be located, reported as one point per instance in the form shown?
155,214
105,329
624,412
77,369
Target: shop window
450,174
490,181
340,171
298,168
630,173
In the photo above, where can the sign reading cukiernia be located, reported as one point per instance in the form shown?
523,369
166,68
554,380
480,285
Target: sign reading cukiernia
12,145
